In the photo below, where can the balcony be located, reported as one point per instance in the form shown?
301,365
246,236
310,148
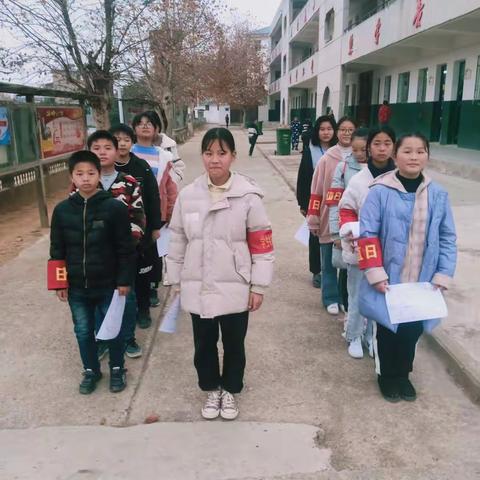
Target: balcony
361,16
305,71
274,87
276,52
304,17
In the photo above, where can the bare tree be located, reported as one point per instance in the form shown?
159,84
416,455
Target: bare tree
85,42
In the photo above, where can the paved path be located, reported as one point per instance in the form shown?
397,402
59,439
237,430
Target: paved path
308,410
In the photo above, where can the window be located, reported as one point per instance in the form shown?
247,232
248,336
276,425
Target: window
284,64
329,26
347,95
476,95
207,108
376,92
387,87
422,85
403,87
354,94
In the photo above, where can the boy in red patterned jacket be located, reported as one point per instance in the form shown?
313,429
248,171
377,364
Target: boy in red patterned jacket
126,189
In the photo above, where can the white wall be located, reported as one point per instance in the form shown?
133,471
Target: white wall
215,113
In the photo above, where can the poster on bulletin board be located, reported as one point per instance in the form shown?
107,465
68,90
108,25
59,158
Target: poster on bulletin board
4,127
62,130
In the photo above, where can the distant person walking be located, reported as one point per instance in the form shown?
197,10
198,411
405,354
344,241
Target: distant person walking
227,120
384,114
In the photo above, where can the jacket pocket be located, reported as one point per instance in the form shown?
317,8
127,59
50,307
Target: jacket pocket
242,267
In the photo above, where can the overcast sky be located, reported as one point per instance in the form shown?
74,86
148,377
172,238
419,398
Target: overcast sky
259,12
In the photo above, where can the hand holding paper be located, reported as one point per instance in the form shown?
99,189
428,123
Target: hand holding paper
113,319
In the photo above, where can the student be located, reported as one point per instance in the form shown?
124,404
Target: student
407,234
163,141
221,256
91,238
384,114
126,189
146,129
252,136
344,219
130,164
322,138
318,213
227,120
296,130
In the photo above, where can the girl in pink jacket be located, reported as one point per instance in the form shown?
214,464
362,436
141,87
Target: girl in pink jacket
221,256
318,211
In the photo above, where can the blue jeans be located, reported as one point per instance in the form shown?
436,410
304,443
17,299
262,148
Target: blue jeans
355,324
129,321
329,276
83,304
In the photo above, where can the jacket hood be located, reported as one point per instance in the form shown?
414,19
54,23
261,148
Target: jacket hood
391,180
166,141
353,163
100,196
241,185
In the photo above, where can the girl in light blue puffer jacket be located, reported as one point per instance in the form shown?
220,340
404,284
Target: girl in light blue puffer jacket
407,234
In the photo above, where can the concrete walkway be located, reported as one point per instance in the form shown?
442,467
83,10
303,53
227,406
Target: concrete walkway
308,411
457,340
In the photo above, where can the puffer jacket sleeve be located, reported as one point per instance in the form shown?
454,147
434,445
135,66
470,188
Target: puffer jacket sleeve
136,209
172,192
338,182
57,240
178,244
316,196
370,255
448,248
304,179
260,244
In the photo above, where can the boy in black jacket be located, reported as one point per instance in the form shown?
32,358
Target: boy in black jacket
132,165
91,237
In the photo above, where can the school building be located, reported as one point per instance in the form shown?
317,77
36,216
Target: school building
348,56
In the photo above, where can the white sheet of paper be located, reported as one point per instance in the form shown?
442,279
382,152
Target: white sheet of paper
113,319
410,302
169,320
303,234
356,229
163,241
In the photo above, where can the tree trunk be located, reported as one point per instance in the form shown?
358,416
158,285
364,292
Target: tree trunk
100,108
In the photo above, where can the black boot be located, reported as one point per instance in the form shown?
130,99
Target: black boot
389,389
406,389
89,382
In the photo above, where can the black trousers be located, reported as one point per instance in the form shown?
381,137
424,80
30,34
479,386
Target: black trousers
396,351
205,337
314,255
149,271
342,287
253,141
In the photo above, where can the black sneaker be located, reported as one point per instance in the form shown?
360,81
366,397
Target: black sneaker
102,349
154,300
118,379
389,389
406,389
143,319
133,349
89,382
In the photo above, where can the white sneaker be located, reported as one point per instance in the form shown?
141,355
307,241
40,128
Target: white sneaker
229,409
333,309
355,349
368,343
211,409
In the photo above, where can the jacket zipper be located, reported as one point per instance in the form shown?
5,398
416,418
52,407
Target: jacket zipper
85,242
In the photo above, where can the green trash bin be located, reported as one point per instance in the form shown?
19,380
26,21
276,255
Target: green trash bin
284,139
260,127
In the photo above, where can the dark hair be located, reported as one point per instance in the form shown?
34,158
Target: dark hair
385,102
316,128
152,117
346,119
418,135
361,132
85,156
376,131
224,137
122,128
102,135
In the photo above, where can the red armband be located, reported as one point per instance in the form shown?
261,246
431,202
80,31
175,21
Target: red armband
369,253
347,215
314,205
334,196
260,242
56,275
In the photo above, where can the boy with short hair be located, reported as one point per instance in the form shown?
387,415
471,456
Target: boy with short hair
91,254
126,189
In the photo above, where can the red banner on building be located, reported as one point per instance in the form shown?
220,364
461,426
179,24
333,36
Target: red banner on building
62,130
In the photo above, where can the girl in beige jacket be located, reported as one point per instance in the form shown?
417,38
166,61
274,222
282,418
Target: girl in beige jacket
221,256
